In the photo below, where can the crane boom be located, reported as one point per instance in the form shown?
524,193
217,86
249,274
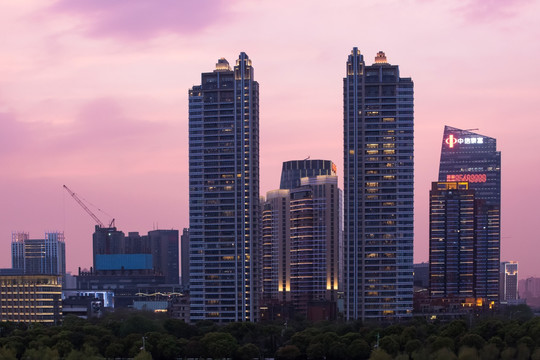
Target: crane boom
79,201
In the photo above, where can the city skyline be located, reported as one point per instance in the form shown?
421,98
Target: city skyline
100,104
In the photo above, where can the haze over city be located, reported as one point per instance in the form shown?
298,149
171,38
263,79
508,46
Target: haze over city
93,94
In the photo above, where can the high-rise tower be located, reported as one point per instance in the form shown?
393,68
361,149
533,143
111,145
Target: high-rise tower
224,193
378,190
301,245
471,157
39,256
509,282
451,240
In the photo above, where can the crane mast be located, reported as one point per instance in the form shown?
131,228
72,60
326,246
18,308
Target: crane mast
79,201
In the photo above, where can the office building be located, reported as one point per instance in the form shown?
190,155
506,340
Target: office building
378,190
224,194
30,298
451,240
471,157
292,171
509,282
184,257
39,256
276,247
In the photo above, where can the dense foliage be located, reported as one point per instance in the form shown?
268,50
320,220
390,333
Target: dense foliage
142,335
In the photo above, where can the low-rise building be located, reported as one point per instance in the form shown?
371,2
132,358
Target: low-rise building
30,298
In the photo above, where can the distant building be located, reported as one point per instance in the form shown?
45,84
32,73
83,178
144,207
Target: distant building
164,250
529,290
156,253
39,256
184,257
30,298
509,282
82,306
178,308
421,275
132,264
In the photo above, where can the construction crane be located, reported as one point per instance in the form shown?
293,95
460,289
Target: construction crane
80,202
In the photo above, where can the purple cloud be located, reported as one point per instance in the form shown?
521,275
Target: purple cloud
144,19
486,10
101,130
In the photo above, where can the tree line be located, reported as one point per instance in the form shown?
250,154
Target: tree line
514,334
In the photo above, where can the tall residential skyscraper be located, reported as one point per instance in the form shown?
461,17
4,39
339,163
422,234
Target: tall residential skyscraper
471,157
276,246
39,256
301,242
378,189
224,193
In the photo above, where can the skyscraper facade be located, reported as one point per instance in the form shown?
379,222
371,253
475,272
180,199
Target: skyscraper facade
301,243
378,190
39,256
293,171
276,246
224,193
314,241
451,240
164,250
471,157
184,257
509,281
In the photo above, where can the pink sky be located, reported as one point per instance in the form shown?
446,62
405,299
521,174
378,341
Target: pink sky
93,94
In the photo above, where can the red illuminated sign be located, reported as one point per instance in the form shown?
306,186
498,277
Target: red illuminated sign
334,168
451,140
472,178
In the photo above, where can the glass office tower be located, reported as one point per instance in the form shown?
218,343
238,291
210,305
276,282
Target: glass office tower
378,190
224,193
451,240
471,157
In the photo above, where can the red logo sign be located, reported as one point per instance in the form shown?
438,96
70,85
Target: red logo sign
451,141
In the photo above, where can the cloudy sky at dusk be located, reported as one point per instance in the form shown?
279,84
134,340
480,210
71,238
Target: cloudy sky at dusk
93,94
